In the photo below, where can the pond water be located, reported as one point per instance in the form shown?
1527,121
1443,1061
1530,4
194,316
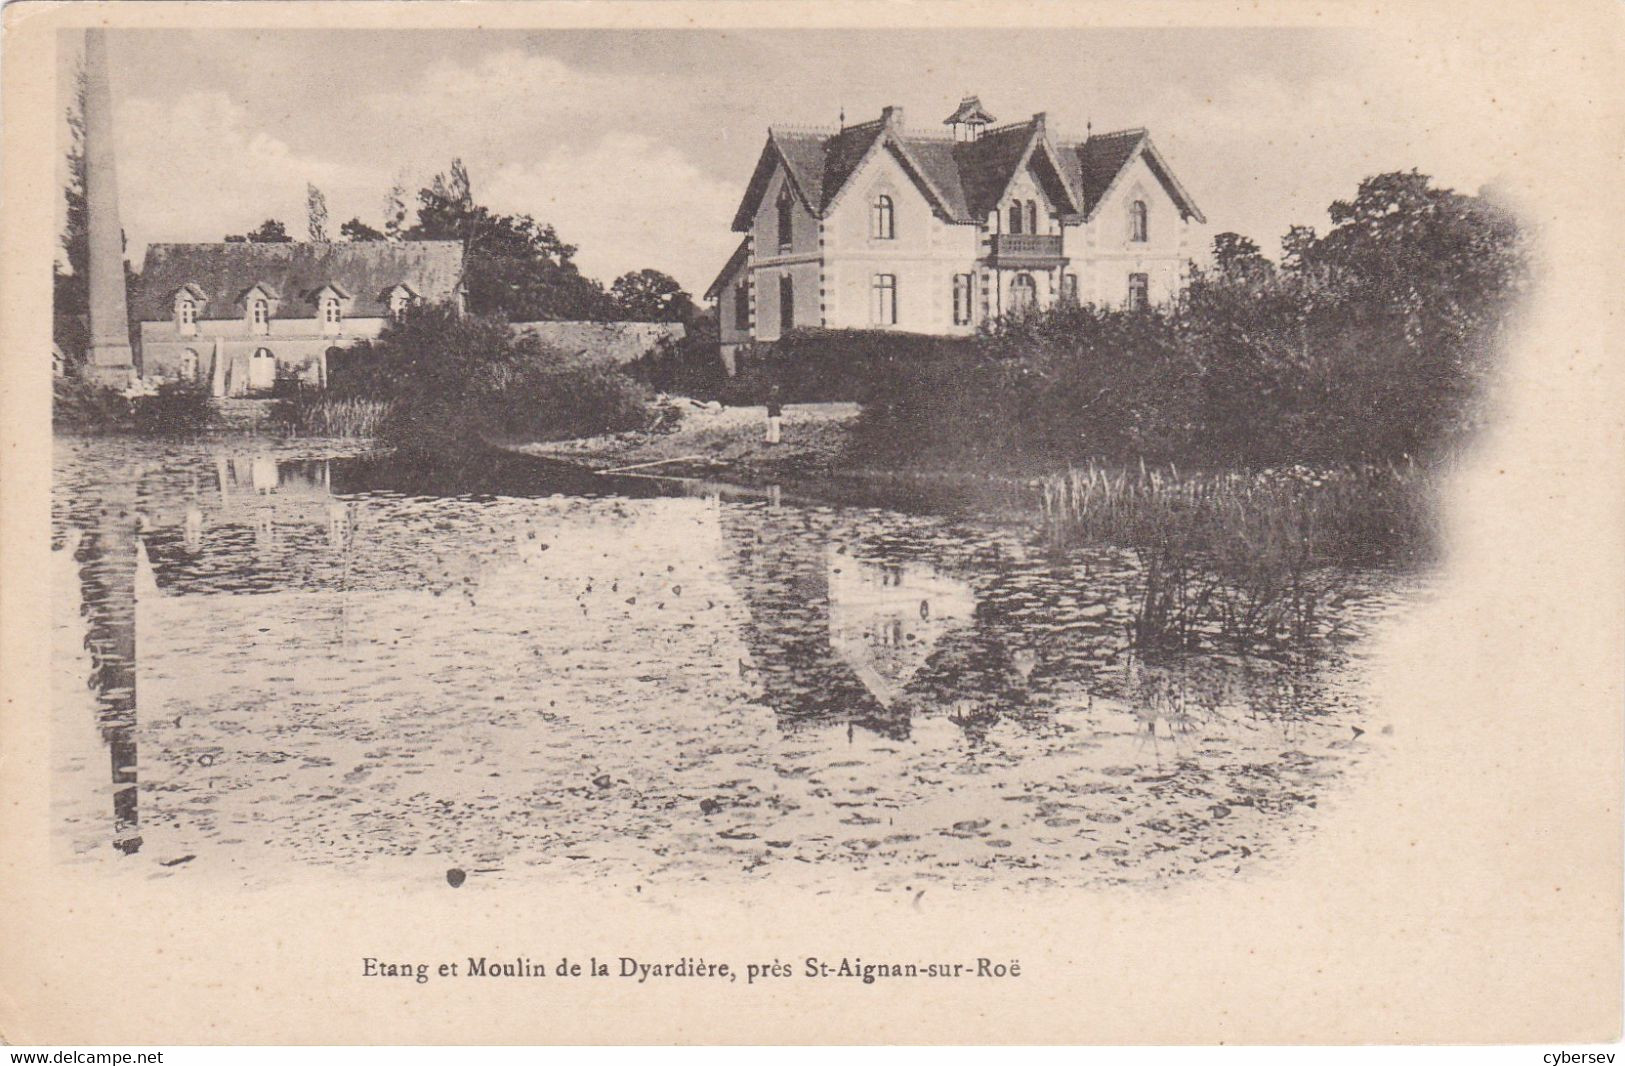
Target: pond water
276,656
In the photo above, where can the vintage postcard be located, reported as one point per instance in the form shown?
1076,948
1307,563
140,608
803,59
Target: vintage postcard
811,523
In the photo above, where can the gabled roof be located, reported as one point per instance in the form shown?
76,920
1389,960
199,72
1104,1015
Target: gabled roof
1104,157
964,180
229,271
729,269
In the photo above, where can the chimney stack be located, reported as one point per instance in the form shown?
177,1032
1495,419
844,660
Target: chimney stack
111,362
892,116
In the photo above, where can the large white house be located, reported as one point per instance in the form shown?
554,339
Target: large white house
879,226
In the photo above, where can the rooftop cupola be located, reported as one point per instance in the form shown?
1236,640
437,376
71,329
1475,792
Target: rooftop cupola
969,119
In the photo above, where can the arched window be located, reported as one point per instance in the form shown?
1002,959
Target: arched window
259,315
785,204
882,223
1015,216
332,314
189,361
186,316
1137,221
1023,293
1032,216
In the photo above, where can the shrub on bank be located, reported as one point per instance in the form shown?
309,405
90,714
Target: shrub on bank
173,408
831,365
451,384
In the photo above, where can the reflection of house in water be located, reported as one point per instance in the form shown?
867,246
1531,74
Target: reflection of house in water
834,638
885,619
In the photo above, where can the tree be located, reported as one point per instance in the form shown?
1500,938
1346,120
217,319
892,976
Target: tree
1296,245
72,288
395,211
1238,256
270,231
514,266
357,230
650,296
315,214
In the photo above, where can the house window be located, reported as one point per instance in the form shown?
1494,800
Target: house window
882,224
1069,288
785,203
1015,216
189,365
742,307
332,314
1139,292
259,315
1032,216
186,316
399,300
962,299
1137,221
1023,293
884,289
787,304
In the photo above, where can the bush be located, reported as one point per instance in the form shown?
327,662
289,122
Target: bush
559,400
81,407
455,383
174,408
825,365
177,408
691,367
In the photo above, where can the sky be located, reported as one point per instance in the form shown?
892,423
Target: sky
637,144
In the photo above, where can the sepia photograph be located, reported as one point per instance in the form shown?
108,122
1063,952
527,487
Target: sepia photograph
917,469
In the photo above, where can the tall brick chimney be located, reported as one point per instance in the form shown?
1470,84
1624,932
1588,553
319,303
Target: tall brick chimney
111,361
892,116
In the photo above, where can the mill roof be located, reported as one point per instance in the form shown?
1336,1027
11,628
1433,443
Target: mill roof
295,272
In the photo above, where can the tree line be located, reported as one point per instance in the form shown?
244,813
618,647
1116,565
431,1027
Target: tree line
1372,341
515,267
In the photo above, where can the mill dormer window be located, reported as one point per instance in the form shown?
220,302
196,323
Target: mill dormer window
259,315
332,314
399,301
186,316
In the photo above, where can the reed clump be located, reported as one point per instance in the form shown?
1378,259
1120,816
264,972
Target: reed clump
1245,559
315,414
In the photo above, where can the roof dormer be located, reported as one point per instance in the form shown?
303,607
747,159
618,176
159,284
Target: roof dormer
186,303
397,298
259,304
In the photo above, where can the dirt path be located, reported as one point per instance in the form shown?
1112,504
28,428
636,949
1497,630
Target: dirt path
727,440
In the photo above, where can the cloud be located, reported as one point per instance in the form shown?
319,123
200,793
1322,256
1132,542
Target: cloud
200,167
629,202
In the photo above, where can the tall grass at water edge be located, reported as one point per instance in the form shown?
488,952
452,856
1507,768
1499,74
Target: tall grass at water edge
325,415
1245,560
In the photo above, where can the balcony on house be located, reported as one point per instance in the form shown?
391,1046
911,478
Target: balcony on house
1026,250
